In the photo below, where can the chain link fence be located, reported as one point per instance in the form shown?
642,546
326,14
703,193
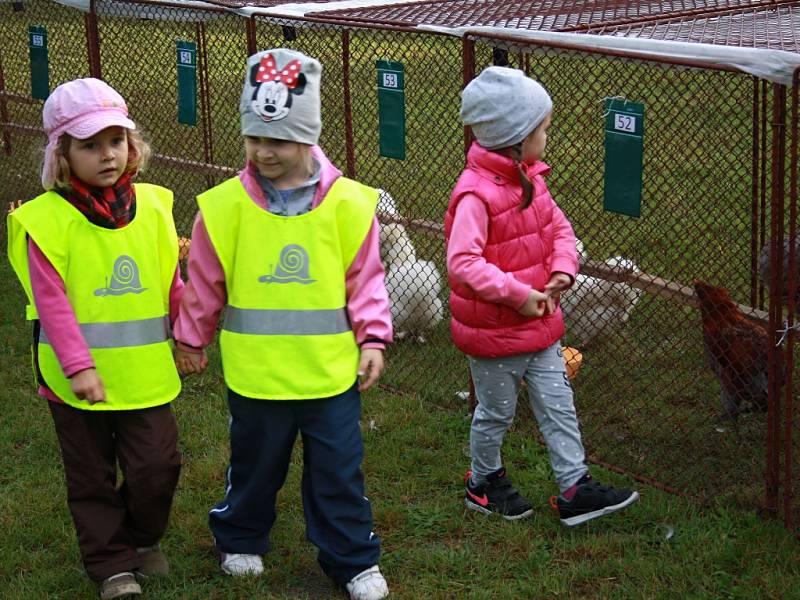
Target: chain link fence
693,395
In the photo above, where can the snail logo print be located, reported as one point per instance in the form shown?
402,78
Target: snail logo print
124,279
292,267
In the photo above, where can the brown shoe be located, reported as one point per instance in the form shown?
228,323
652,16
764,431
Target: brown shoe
153,561
119,586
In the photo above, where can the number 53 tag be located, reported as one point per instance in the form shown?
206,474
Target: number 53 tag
624,137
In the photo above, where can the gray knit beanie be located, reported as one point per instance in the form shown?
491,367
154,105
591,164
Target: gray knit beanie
280,99
503,106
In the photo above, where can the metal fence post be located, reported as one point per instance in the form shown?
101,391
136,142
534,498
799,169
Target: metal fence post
348,106
468,67
252,45
754,212
205,109
763,181
788,438
4,109
93,41
776,286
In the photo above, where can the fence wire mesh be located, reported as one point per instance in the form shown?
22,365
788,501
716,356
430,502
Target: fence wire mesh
670,389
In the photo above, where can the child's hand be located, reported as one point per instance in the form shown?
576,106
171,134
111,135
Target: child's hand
87,385
535,305
557,284
370,368
190,362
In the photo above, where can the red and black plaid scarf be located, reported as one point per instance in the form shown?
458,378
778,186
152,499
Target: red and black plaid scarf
110,207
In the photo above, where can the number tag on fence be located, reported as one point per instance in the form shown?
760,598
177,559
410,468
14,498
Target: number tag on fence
40,66
624,127
391,109
187,82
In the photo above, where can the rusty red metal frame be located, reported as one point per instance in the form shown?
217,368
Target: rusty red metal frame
179,5
349,137
16,97
317,17
788,458
30,129
93,41
643,56
763,181
468,67
772,479
205,108
509,38
196,166
4,117
647,480
754,246
252,36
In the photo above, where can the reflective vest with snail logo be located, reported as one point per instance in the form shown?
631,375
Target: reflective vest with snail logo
118,283
286,334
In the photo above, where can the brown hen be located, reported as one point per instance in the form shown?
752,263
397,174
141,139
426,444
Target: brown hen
736,350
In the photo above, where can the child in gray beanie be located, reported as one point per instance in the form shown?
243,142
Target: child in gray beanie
289,248
503,107
510,253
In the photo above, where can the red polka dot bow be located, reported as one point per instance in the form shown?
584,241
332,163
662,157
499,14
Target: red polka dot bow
268,71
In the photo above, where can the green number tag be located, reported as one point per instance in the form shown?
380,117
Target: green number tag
624,126
40,67
187,82
391,109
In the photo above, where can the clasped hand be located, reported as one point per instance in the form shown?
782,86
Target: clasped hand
190,362
543,303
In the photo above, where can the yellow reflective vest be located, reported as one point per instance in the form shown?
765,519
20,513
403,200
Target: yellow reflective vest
286,333
118,283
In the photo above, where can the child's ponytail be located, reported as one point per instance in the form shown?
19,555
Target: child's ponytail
528,187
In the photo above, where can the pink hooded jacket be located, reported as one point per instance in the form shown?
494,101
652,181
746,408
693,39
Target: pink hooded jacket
497,253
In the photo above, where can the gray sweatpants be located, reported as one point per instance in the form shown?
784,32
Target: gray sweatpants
497,382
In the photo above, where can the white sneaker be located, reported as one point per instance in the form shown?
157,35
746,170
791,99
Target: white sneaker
241,564
368,585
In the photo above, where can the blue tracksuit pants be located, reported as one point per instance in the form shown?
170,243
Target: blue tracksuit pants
338,516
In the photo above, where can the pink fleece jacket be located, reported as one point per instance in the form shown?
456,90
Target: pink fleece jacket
58,320
205,295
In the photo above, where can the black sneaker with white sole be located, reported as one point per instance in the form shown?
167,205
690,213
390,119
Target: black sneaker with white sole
592,500
496,495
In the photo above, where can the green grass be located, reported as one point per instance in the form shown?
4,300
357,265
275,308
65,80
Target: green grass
646,400
432,546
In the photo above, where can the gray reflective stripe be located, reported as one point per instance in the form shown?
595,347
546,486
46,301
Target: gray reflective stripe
285,322
121,334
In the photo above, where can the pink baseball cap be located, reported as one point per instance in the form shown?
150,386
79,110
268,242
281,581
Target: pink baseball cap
80,108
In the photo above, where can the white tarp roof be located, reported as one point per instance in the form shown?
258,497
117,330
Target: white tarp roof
772,65
300,9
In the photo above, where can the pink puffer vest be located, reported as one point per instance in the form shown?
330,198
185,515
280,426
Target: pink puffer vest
520,242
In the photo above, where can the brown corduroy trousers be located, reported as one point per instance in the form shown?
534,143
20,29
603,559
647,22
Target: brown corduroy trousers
113,521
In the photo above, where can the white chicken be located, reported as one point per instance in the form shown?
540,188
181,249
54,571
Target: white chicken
414,285
594,306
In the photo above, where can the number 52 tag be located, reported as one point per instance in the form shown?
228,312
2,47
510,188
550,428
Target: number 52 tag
624,143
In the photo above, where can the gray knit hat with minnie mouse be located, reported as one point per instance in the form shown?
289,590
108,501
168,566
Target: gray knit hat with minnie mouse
503,106
280,99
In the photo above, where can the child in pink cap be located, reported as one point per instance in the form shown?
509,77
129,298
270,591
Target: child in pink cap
97,257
